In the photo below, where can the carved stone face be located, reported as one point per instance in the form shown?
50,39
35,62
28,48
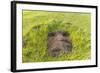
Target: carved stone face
58,41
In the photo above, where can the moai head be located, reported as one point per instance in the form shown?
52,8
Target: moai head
58,41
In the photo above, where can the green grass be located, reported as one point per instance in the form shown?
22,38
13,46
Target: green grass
37,24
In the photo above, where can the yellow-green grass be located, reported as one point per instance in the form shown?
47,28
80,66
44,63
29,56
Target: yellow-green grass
37,24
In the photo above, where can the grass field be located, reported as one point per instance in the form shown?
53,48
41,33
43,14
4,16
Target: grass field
37,24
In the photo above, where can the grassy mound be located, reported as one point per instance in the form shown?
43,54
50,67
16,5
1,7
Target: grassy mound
37,24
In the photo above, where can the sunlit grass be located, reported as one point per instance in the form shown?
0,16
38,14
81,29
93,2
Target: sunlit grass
37,24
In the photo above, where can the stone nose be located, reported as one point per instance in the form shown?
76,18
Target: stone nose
60,37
